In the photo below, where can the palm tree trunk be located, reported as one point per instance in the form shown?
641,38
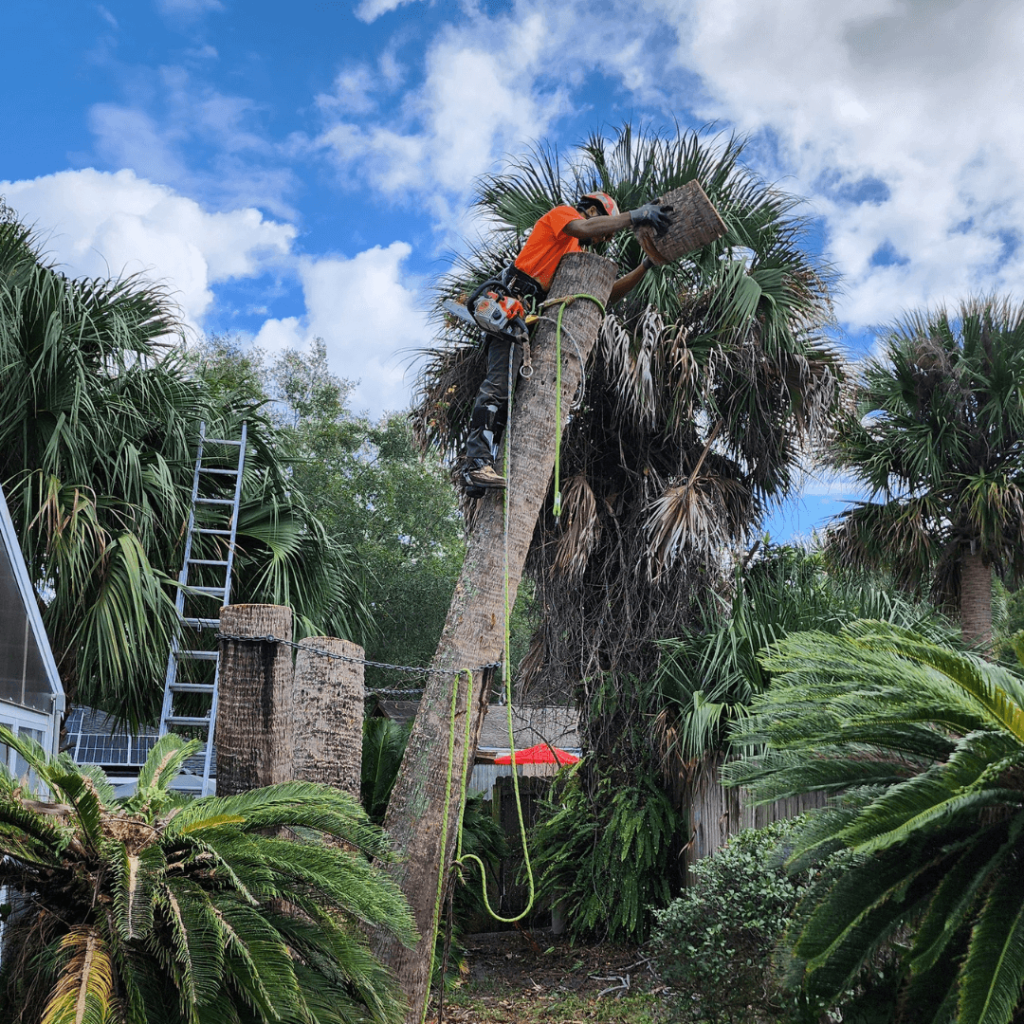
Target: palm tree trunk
254,715
474,631
327,702
976,601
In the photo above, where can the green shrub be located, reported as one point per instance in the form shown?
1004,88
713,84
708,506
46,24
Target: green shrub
607,853
714,943
723,945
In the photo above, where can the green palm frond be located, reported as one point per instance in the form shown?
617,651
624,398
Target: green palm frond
710,675
155,908
921,746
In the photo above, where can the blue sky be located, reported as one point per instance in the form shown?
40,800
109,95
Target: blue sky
305,169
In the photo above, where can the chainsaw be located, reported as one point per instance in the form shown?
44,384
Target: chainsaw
497,312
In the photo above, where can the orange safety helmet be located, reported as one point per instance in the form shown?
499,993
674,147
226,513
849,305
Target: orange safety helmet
602,199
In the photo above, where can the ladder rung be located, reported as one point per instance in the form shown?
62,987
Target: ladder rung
185,720
205,561
219,533
218,440
192,687
187,783
201,623
211,591
219,472
215,501
196,655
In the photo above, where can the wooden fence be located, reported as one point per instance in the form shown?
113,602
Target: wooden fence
717,812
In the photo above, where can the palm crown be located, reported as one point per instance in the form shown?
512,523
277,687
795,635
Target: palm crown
705,382
156,909
937,436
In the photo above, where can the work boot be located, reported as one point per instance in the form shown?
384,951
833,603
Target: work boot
485,475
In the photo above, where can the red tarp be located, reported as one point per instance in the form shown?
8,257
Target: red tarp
540,754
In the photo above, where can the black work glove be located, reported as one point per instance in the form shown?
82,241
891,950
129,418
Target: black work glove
651,213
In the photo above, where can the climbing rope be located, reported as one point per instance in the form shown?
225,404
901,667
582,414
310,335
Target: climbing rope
562,302
460,859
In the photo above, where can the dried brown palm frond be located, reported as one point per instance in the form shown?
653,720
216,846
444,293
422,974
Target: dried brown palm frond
581,531
449,380
700,516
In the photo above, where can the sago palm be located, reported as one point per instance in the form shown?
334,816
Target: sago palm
937,437
157,909
922,750
704,384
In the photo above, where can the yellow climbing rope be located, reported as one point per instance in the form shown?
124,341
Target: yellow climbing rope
461,859
562,302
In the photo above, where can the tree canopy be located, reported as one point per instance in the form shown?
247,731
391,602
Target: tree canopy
936,434
99,420
378,497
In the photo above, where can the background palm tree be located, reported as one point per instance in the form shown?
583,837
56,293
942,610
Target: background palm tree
157,909
99,420
922,750
706,382
936,435
710,676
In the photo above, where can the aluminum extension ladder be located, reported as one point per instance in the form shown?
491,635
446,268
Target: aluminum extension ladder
212,522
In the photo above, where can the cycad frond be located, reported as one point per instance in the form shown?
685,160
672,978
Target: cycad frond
85,992
156,909
993,974
938,843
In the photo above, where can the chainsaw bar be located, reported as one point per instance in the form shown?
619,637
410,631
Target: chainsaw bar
459,310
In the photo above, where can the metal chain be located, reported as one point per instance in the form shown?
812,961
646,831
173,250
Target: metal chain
417,669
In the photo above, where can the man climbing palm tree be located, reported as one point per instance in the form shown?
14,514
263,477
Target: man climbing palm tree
560,231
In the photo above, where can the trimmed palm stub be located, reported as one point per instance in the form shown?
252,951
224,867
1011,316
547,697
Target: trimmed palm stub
157,909
937,436
921,749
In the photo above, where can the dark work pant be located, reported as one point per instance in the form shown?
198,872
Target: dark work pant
490,410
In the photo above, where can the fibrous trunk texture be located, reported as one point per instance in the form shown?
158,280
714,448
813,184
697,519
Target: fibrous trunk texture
328,712
474,631
254,731
976,601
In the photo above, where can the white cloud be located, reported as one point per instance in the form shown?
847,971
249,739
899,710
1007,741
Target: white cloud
370,10
915,101
106,16
370,317
476,105
99,224
353,89
245,169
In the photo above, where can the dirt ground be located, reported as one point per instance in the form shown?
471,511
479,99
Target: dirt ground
524,977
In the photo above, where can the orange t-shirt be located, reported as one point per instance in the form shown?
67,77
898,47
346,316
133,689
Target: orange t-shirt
547,244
